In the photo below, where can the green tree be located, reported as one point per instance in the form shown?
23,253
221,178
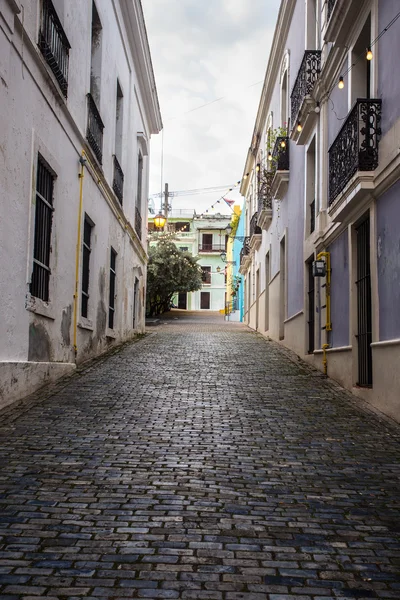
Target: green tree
169,271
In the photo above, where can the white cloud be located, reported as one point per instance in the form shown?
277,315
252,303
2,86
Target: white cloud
202,50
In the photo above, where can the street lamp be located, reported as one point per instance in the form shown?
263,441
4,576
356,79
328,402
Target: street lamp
228,229
160,220
223,256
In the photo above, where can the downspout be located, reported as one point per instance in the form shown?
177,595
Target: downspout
82,161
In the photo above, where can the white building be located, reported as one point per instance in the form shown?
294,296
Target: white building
322,178
204,236
78,105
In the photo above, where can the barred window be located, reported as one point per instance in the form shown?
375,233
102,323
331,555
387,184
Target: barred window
86,249
39,286
113,274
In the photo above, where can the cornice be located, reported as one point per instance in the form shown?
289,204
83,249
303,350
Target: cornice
132,13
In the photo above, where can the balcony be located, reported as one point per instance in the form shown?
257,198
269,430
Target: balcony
353,157
255,233
340,18
207,248
331,4
54,45
118,180
265,198
301,101
280,166
245,256
95,127
138,223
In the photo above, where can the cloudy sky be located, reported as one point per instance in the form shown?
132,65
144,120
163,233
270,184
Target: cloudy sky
203,50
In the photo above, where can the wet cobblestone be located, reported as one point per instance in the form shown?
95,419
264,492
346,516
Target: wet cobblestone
199,463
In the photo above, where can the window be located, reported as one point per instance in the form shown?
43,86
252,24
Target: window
207,242
54,44
138,211
96,56
118,179
135,301
311,187
184,248
206,275
181,226
42,239
86,249
111,303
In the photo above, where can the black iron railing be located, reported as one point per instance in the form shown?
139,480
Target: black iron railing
280,154
138,222
254,228
307,76
54,44
212,248
264,190
118,180
95,129
356,145
331,4
245,249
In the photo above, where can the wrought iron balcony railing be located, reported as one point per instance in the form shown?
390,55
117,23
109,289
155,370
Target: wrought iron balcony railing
280,154
254,228
212,248
95,127
264,190
54,44
245,249
331,4
138,223
307,76
356,145
118,180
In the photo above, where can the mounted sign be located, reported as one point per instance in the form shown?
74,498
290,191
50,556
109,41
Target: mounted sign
319,268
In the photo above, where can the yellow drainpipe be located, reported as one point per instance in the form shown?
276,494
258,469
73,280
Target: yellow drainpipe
82,160
328,326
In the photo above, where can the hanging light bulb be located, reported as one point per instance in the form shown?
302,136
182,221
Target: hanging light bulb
269,156
245,176
299,127
283,144
258,167
341,83
369,56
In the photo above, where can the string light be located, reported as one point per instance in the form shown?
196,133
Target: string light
369,55
258,167
283,144
299,127
269,156
341,83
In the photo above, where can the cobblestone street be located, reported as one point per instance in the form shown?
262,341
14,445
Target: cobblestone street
200,462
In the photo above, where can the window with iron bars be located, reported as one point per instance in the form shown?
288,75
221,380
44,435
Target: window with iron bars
113,275
86,250
39,286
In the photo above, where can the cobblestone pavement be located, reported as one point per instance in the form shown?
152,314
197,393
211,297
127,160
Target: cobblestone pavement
200,463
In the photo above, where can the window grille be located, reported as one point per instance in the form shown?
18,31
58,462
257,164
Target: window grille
113,275
86,249
54,44
39,286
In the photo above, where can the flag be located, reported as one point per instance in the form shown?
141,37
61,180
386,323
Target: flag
229,202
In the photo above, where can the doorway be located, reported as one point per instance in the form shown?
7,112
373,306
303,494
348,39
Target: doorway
311,307
364,305
282,291
182,300
204,300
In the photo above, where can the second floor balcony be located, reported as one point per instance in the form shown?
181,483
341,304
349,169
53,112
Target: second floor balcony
255,232
203,247
245,256
264,193
280,167
94,131
353,157
302,103
118,180
138,223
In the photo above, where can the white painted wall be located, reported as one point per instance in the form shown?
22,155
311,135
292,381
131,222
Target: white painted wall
35,117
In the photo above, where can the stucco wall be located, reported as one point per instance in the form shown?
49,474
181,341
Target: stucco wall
388,252
339,250
295,240
388,56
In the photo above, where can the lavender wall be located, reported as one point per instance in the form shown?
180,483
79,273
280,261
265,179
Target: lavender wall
388,236
295,218
388,59
339,250
337,108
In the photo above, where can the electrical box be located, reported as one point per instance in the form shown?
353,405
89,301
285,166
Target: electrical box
319,268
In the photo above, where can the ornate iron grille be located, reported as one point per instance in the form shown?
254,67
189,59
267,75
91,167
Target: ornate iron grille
138,223
113,276
264,190
245,249
331,4
356,145
254,228
118,180
95,127
280,154
54,44
307,76
86,250
42,241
